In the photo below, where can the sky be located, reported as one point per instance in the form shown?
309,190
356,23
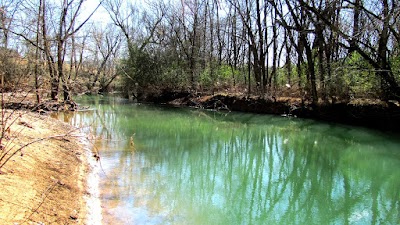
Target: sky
99,17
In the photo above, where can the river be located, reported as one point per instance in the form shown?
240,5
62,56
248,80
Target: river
163,165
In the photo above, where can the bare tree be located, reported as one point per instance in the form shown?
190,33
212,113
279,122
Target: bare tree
107,42
8,10
67,27
374,44
37,54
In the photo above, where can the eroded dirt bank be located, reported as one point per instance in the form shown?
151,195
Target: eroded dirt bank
45,182
360,112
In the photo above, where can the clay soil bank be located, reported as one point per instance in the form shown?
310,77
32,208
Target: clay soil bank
45,182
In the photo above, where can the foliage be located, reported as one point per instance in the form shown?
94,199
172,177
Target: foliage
13,67
220,76
395,65
359,77
148,69
169,46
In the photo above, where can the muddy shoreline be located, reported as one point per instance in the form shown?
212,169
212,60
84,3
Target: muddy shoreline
377,115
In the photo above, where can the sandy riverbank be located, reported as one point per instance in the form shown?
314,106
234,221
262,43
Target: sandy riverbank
50,181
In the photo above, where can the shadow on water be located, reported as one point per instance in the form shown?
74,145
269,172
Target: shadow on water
201,167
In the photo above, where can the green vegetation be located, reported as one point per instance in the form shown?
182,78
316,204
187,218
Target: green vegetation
304,49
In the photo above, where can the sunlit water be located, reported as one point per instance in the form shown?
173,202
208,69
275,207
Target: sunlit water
199,167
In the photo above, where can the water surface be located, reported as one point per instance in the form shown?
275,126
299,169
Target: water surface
200,167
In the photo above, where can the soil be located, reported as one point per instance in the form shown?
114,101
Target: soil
45,181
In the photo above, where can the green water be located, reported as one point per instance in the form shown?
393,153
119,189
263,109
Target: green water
200,167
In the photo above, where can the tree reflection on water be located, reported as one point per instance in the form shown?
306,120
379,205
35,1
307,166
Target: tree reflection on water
199,167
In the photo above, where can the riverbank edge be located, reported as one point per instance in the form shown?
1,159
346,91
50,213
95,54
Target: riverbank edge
85,208
92,197
89,180
378,115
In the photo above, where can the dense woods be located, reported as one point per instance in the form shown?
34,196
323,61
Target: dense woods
319,51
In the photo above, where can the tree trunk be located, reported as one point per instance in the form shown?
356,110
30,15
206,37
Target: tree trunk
274,50
390,87
320,45
37,55
311,74
54,82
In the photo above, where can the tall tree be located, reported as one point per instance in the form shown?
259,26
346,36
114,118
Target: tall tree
374,44
107,43
67,27
254,29
8,10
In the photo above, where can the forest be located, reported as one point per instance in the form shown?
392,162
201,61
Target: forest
321,51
